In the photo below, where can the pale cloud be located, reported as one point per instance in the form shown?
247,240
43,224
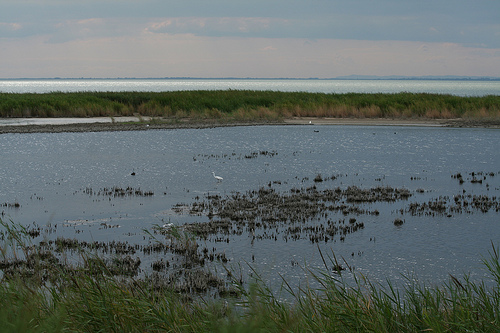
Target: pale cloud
159,26
215,26
10,26
260,38
167,55
69,30
269,48
423,48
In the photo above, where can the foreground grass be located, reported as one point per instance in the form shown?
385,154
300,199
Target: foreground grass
88,299
247,105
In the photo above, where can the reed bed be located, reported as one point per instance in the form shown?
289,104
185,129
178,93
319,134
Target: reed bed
247,105
57,298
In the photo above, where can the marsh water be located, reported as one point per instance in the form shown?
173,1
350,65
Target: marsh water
66,181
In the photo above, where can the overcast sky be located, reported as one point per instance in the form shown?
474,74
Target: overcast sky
251,38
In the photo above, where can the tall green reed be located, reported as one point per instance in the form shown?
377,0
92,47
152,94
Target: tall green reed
337,299
245,104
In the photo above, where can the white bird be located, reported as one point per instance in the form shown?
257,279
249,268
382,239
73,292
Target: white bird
219,178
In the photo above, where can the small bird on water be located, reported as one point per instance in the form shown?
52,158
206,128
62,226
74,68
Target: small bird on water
219,178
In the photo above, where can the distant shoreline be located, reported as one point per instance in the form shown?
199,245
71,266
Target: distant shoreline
348,77
210,123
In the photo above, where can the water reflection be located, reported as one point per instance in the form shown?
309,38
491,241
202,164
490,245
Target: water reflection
452,87
56,179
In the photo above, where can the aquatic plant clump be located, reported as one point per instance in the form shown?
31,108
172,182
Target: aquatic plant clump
47,296
289,213
181,268
117,191
168,283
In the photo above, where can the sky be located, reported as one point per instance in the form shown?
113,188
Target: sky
257,38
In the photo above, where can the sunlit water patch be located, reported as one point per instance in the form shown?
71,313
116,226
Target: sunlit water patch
453,87
114,186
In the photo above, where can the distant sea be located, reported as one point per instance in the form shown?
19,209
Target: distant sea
453,87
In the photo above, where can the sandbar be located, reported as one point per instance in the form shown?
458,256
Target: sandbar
119,125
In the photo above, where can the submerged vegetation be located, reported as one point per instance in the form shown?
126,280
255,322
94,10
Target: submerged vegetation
43,295
247,105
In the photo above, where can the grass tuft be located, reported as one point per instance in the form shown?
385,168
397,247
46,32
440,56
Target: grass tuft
91,299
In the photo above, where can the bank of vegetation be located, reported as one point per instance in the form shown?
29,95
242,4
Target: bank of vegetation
40,295
247,105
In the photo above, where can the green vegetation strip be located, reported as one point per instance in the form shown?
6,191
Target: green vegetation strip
246,105
89,299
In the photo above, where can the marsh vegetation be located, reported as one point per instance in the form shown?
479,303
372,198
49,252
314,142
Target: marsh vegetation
167,282
66,284
41,293
247,105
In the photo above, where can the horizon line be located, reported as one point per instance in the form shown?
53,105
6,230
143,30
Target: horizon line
345,77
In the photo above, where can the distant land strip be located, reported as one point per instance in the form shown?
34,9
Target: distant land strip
345,77
231,107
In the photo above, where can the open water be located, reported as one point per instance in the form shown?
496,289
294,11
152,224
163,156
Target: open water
455,87
56,178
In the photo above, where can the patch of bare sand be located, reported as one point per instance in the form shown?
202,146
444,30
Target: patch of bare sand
459,122
366,121
208,123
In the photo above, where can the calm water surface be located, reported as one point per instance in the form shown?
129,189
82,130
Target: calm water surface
50,176
457,87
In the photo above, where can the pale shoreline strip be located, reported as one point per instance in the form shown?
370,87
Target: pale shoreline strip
57,125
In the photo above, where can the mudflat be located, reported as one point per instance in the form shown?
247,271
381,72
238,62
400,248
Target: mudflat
208,123
459,122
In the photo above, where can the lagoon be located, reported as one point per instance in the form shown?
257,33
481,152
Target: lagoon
62,180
